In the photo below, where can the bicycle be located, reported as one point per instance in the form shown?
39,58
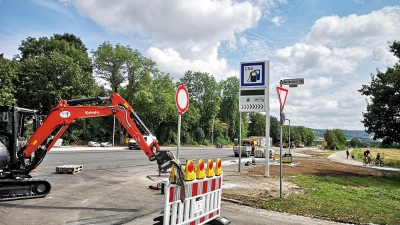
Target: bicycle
370,161
380,163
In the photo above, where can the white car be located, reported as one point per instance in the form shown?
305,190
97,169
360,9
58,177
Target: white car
93,144
105,144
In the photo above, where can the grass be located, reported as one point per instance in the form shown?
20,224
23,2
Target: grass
391,157
373,199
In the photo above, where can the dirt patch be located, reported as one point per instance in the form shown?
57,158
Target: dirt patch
250,186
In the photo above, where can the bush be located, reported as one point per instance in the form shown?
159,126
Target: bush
337,146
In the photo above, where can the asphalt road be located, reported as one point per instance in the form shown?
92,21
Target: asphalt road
113,189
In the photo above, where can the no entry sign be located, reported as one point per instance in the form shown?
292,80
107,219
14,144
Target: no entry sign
182,99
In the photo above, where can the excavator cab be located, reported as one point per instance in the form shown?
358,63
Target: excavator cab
14,124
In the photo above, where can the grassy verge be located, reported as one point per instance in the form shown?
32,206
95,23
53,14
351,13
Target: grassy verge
373,199
391,157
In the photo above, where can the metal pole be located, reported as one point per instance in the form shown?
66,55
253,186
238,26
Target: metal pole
267,125
289,137
212,137
280,154
114,130
179,136
240,139
266,151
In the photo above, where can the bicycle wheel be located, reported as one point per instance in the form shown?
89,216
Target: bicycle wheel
371,162
381,163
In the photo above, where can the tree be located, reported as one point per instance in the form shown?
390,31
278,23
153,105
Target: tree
204,94
336,139
354,142
8,71
111,63
382,116
51,69
229,106
257,124
274,129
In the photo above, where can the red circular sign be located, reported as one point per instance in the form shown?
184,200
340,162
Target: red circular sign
182,99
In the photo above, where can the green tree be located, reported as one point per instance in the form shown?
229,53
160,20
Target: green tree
52,69
204,94
354,142
336,139
330,137
8,71
111,64
229,107
274,130
340,136
383,101
257,124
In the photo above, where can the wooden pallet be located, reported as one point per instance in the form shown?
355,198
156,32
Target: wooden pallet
69,169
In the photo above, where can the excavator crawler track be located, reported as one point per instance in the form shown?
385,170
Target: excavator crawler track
24,188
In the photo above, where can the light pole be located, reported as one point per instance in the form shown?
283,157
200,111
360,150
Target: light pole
289,135
212,133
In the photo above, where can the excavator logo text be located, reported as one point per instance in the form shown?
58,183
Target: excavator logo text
92,112
65,114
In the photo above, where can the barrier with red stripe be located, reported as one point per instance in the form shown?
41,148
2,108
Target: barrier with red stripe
202,202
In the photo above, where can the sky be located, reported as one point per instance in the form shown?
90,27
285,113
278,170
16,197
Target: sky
335,45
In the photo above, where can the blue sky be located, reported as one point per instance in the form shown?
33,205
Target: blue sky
333,44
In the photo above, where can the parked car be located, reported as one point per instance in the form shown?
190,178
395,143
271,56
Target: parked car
93,144
105,144
133,145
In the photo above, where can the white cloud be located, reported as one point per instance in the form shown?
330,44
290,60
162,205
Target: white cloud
171,61
305,59
277,20
369,29
187,31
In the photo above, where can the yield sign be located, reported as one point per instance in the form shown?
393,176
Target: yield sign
282,95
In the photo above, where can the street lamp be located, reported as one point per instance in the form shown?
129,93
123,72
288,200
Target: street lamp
289,135
212,137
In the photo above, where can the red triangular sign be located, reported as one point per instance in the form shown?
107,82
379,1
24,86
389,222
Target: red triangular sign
282,95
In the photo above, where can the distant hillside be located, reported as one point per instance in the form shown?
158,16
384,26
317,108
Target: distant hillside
359,134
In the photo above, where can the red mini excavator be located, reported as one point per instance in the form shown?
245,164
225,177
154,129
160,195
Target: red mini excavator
20,155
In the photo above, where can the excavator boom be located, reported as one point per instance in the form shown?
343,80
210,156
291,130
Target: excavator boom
18,160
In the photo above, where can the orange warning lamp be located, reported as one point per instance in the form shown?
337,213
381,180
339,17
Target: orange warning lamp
210,168
200,169
172,177
189,171
218,167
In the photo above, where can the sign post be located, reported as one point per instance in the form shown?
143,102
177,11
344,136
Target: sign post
282,95
254,97
182,104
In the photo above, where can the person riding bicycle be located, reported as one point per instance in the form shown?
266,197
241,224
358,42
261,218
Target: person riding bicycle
378,158
367,155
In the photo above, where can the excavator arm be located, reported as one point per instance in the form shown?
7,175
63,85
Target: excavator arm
68,112
18,158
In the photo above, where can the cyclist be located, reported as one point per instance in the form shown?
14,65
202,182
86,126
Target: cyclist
367,155
378,158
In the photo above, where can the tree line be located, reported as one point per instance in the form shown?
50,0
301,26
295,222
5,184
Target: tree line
49,69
